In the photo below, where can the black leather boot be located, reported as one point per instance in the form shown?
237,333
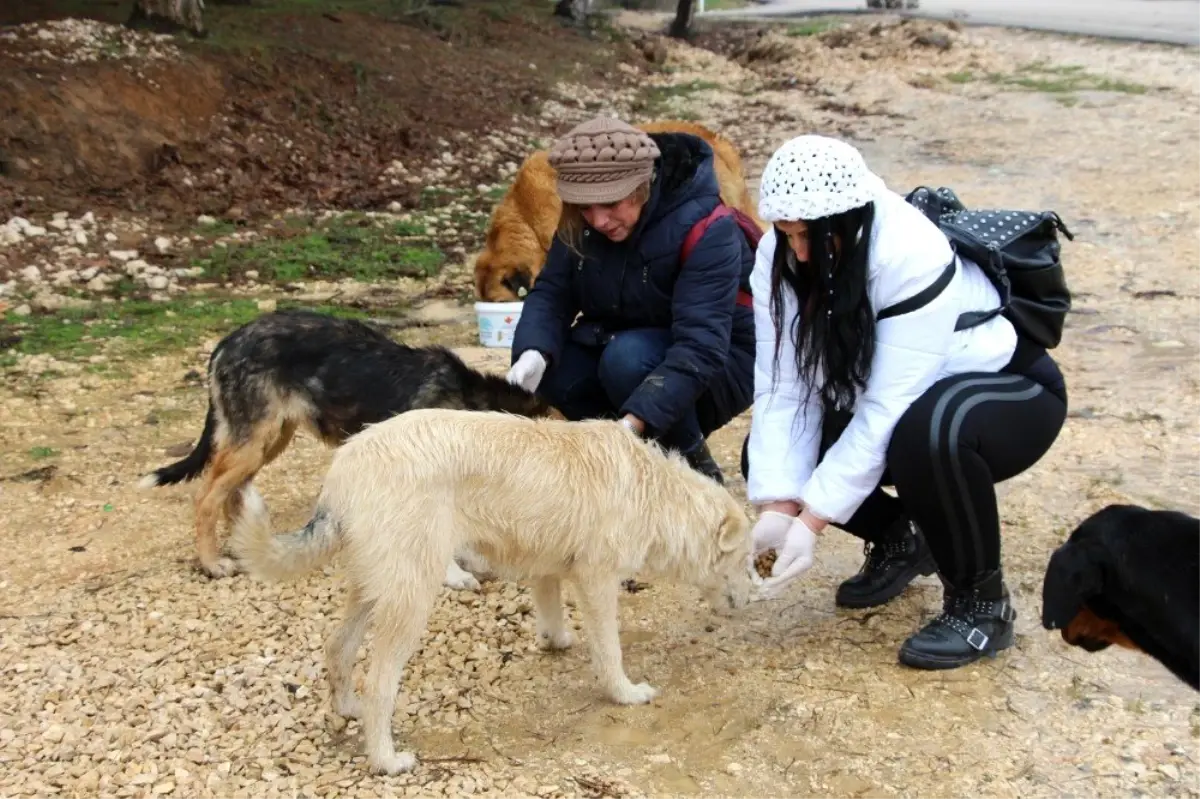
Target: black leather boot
702,461
890,565
975,621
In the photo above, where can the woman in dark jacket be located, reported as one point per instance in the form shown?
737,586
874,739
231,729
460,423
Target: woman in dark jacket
666,344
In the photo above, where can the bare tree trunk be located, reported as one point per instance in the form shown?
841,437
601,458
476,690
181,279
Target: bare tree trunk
685,12
168,16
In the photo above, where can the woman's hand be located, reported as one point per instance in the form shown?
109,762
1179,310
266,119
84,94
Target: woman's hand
813,521
770,531
795,557
633,423
528,370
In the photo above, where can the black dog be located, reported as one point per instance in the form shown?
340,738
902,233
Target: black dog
1130,576
333,376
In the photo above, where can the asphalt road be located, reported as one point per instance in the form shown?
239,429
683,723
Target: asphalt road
1167,21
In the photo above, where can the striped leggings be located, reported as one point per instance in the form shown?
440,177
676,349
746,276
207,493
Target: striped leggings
948,451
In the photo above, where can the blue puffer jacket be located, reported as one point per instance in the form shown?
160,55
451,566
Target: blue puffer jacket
640,283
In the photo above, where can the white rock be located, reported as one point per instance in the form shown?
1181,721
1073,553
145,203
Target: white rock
81,238
205,219
135,266
659,757
60,216
34,230
267,306
252,274
157,282
89,218
31,274
122,255
89,273
18,223
162,244
98,283
110,236
58,224
23,310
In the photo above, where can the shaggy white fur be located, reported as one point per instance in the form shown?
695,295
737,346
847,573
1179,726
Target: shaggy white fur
540,500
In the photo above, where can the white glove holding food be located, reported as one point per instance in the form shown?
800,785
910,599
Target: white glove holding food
793,558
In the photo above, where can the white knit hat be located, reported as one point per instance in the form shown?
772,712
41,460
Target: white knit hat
810,177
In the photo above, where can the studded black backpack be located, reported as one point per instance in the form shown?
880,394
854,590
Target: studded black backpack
1019,251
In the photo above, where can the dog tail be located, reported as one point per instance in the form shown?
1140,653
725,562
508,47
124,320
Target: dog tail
271,557
191,466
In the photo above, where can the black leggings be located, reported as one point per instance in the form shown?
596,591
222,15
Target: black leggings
948,451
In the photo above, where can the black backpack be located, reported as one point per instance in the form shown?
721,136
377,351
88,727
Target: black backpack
1018,251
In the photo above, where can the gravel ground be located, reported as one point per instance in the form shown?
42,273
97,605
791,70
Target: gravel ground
128,673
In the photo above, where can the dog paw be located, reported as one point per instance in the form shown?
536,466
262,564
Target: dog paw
555,639
464,582
460,579
632,694
397,763
348,707
221,567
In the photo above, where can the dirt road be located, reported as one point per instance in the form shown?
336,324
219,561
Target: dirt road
127,673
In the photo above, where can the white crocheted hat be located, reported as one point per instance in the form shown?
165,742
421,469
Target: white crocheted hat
810,177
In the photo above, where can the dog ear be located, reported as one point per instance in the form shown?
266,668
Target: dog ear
732,532
1073,576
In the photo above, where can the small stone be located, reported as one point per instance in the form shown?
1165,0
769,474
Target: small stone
157,282
34,230
267,306
23,310
252,274
162,244
734,768
205,219
58,224
122,255
659,757
54,734
31,274
81,238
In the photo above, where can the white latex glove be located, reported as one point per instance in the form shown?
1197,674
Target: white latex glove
793,559
528,370
770,531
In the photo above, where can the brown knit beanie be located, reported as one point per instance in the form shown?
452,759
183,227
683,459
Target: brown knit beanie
602,161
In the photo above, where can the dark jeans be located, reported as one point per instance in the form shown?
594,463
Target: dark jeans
948,451
594,382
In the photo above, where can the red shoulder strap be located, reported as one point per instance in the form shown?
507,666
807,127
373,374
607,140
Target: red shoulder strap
693,235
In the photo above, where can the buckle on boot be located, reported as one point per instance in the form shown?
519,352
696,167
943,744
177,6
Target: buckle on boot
1006,612
976,639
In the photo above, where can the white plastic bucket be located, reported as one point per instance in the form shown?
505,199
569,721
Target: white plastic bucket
497,322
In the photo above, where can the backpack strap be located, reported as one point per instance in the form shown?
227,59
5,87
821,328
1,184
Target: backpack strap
693,236
922,297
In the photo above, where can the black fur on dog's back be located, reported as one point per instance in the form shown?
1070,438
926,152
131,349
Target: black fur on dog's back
338,375
1139,570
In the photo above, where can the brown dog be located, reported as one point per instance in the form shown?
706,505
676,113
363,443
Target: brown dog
523,224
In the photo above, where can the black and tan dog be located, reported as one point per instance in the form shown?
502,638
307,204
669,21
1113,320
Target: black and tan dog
332,376
1130,576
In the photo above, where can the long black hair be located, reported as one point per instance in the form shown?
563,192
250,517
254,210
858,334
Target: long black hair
834,332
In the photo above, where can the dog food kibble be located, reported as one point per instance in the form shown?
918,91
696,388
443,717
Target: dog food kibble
764,562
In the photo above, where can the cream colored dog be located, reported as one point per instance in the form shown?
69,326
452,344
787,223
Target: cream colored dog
541,500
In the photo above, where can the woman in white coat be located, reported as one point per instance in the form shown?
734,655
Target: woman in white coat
862,380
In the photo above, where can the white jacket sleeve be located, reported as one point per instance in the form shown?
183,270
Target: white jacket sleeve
785,431
910,351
